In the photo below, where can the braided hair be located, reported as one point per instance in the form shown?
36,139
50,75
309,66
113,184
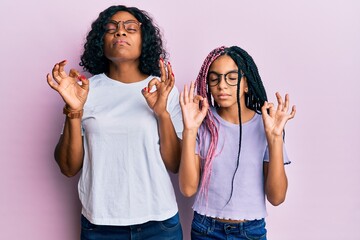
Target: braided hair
254,100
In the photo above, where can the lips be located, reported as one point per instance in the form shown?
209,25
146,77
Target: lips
120,42
223,96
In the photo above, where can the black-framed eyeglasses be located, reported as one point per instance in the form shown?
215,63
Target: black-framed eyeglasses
130,26
231,78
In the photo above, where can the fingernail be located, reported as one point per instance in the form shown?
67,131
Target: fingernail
169,63
172,74
161,59
63,61
148,90
81,77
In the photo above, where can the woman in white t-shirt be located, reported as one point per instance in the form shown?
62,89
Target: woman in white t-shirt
232,153
121,129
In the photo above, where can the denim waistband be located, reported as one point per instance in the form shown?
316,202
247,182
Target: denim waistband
213,224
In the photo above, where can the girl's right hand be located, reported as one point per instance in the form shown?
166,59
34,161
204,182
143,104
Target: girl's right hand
70,89
192,114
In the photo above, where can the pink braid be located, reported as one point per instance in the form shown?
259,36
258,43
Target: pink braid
209,122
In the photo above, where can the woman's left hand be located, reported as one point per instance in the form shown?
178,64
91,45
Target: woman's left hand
275,119
157,100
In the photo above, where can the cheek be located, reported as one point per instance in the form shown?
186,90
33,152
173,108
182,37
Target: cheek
139,44
106,45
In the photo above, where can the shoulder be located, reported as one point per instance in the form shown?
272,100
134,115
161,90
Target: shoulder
97,77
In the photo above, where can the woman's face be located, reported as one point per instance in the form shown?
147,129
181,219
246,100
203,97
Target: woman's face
222,80
123,43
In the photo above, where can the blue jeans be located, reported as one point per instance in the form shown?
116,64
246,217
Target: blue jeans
204,227
169,229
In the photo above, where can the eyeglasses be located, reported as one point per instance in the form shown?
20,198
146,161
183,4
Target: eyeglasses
231,78
130,26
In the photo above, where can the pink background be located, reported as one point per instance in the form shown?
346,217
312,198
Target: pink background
309,49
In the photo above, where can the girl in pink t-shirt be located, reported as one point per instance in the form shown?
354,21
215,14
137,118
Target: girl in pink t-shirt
233,153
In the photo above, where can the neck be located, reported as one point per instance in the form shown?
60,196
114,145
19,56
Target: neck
231,115
126,72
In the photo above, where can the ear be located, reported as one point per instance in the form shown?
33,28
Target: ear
246,89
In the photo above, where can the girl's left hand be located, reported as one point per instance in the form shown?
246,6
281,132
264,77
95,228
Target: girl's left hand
275,119
157,100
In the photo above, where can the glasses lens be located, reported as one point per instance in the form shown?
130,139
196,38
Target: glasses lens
232,78
214,79
131,26
111,27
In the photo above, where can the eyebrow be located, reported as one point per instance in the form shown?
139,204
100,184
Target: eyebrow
113,20
232,71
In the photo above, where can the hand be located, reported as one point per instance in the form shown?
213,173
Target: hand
190,107
157,100
275,119
73,93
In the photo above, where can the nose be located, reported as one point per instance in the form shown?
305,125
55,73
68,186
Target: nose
222,84
120,30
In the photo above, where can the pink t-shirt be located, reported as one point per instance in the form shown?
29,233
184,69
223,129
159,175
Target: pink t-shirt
248,199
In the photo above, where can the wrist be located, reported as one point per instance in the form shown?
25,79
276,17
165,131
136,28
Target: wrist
189,132
162,115
72,114
275,140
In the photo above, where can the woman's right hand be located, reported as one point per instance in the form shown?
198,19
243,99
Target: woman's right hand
73,92
192,114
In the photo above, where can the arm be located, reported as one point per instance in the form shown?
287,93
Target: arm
69,150
170,144
189,173
274,172
170,147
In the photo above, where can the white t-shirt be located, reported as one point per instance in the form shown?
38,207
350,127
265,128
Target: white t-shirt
124,180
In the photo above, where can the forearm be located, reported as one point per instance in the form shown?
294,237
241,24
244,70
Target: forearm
276,180
189,172
69,151
170,147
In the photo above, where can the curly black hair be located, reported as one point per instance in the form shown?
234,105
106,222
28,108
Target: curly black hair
93,59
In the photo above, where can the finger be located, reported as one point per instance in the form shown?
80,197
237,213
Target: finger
74,74
158,85
186,95
171,77
151,84
145,92
268,109
62,72
51,82
205,106
264,108
197,99
55,73
287,102
293,112
84,82
163,75
271,109
191,92
181,99
280,101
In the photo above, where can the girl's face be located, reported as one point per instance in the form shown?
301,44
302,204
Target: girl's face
122,41
222,80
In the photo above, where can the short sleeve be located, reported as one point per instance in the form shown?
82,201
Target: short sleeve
286,158
173,107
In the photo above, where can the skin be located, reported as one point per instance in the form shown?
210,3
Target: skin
225,95
123,49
